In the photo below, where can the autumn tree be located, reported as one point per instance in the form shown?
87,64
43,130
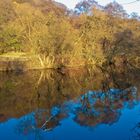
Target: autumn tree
44,31
115,9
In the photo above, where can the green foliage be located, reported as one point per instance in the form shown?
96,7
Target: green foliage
10,39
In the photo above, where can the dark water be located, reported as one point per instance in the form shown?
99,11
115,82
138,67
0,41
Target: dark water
76,105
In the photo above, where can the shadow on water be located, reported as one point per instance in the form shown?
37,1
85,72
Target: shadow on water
42,99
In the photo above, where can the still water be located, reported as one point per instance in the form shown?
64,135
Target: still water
78,104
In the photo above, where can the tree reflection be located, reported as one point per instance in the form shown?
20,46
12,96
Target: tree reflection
99,107
89,110
52,97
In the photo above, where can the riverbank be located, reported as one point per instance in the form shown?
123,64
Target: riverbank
24,62
18,61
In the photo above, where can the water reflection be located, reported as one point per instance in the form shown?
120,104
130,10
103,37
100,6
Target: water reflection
98,107
41,100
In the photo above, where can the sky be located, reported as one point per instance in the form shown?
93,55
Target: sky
133,7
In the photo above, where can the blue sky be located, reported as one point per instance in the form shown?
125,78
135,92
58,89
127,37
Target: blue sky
134,7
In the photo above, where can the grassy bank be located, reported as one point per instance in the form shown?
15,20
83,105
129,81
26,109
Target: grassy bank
24,61
18,61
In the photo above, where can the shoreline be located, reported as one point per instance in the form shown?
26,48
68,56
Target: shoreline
26,62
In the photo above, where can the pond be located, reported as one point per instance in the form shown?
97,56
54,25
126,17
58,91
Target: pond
79,104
